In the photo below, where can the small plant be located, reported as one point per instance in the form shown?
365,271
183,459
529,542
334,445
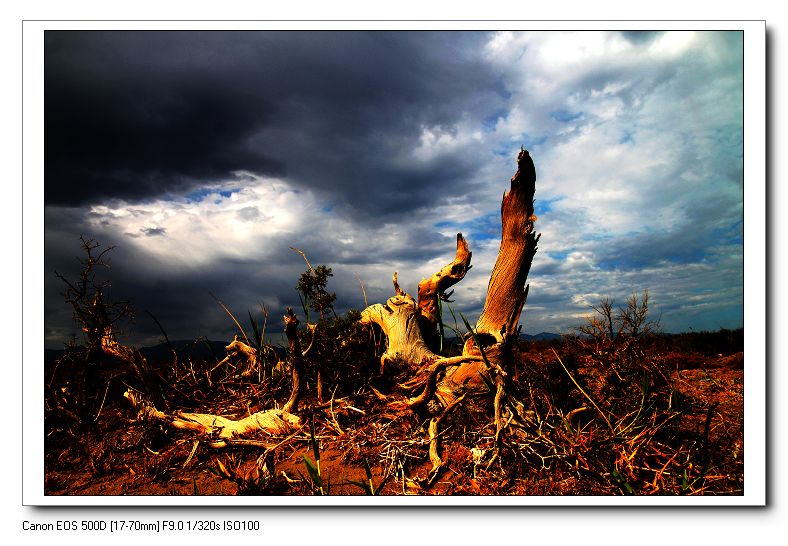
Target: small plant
475,340
313,467
262,349
368,486
254,481
311,287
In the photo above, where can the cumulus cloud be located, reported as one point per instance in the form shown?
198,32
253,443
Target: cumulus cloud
203,156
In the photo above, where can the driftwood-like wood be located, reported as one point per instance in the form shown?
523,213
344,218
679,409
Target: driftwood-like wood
217,429
296,361
244,355
434,288
408,324
506,291
399,320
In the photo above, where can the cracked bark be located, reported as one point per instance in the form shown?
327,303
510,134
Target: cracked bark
409,325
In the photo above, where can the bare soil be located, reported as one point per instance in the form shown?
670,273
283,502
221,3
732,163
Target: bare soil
697,450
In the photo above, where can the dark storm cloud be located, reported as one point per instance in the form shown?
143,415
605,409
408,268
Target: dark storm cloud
180,298
134,115
204,156
154,232
641,36
179,295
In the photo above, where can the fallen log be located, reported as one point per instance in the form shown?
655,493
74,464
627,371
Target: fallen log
216,429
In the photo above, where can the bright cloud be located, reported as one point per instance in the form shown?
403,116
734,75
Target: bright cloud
637,140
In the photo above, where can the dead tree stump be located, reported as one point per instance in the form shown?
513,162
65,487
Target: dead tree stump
409,324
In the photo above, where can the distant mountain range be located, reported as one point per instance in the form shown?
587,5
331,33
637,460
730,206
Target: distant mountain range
195,350
206,350
541,336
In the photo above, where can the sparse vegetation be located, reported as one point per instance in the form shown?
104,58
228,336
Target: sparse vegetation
377,402
605,415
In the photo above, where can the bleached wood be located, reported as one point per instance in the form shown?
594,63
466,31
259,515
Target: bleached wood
217,428
398,318
408,323
506,291
434,288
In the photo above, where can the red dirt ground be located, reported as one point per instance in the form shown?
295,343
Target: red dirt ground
123,456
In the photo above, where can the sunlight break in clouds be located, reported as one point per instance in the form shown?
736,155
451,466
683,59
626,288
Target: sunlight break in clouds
221,222
636,136
636,140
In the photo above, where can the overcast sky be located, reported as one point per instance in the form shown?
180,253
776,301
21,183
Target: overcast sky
204,156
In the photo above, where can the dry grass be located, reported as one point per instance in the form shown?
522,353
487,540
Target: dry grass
671,425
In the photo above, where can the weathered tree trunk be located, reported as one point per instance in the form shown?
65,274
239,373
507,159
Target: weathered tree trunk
433,289
408,324
296,359
497,327
399,320
506,291
403,321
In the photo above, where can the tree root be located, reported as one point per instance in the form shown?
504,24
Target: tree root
435,459
430,382
218,431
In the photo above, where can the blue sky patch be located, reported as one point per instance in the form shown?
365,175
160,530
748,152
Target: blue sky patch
483,228
489,123
543,206
196,196
560,255
731,235
565,116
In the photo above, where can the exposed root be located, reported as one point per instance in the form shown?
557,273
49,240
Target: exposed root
219,431
498,417
435,458
428,377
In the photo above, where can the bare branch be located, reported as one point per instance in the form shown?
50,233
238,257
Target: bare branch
301,252
434,288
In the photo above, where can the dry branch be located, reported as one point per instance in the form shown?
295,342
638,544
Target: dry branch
221,431
506,291
434,450
434,288
296,360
